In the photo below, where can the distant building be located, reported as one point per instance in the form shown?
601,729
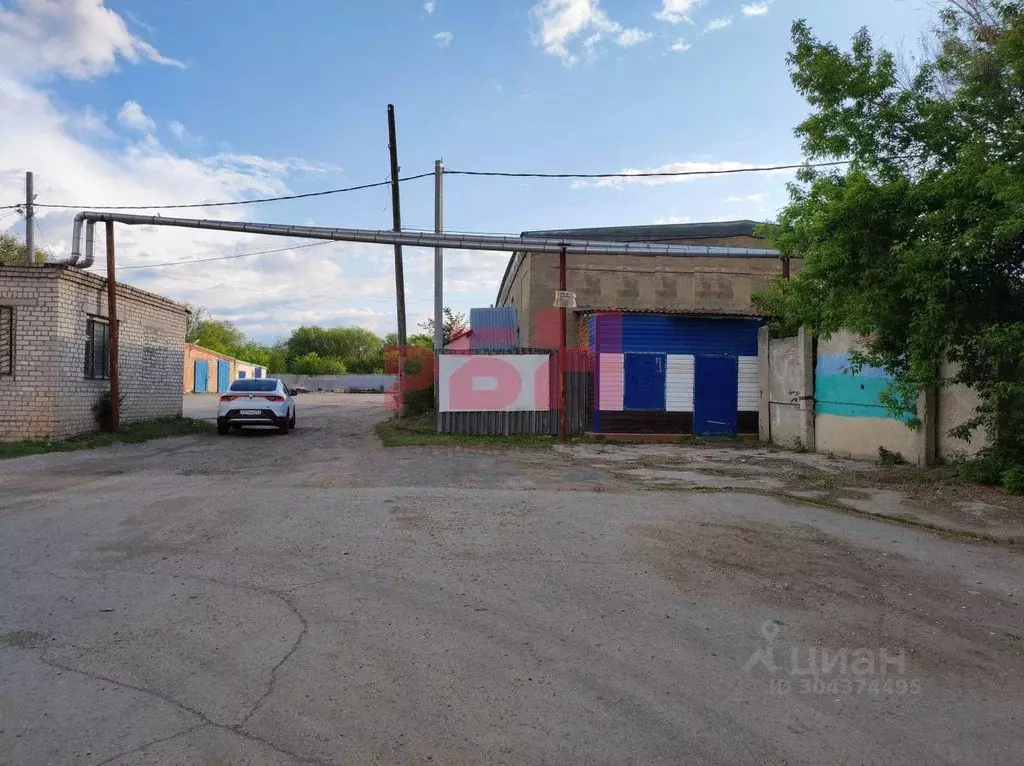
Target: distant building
210,372
54,340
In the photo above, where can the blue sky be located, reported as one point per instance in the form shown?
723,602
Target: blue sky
135,102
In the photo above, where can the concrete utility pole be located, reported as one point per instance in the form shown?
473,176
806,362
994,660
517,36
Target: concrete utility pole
30,214
439,256
396,211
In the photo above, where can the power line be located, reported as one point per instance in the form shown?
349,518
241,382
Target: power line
45,243
307,195
650,174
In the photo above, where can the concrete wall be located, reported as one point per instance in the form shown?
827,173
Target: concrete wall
48,395
339,382
28,395
956,404
712,285
786,377
851,419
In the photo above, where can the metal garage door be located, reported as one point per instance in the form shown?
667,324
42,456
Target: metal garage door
715,395
201,381
223,376
644,381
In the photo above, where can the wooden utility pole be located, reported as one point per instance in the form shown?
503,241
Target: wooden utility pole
396,211
112,344
563,353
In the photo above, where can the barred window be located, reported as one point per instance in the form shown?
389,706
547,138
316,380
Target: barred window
6,340
97,346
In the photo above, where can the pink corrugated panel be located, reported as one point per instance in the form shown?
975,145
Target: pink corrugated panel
610,376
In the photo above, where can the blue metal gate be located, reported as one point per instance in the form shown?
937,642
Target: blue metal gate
201,377
715,394
223,376
644,381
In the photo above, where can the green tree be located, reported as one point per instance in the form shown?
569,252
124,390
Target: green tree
270,358
218,335
454,323
356,348
918,243
313,364
13,250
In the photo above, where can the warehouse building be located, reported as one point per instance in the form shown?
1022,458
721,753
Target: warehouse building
674,340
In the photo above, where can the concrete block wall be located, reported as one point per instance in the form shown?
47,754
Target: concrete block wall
151,346
848,417
707,285
27,396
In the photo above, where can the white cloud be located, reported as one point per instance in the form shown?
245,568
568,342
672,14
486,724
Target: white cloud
337,283
132,117
673,219
756,9
716,24
76,38
696,170
560,21
444,39
681,46
758,197
630,37
177,128
430,6
675,11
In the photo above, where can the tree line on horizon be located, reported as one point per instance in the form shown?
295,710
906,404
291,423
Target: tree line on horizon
311,349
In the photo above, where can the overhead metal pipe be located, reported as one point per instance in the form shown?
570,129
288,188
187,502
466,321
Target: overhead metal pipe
90,243
450,241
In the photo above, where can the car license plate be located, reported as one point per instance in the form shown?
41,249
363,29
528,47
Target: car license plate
252,412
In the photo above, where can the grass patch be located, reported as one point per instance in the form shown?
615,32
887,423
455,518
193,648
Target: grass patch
131,433
421,431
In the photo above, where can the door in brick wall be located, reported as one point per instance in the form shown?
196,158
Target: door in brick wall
202,377
223,376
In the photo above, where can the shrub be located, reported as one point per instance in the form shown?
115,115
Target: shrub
888,457
419,402
103,411
1013,480
983,469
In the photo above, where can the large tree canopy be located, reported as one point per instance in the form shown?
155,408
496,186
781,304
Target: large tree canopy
919,243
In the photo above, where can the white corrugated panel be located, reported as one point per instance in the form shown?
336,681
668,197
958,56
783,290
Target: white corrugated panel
610,374
679,383
749,390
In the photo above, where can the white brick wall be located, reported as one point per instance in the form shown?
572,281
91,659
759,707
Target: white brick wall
53,396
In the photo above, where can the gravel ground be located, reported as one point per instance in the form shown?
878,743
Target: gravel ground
316,598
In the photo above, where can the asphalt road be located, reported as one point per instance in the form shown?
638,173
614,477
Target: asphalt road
316,598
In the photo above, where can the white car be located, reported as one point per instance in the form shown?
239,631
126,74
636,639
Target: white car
256,402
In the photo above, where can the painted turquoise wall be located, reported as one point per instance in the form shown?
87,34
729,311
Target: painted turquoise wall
847,395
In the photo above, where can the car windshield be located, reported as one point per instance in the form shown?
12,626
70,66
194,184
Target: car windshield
250,386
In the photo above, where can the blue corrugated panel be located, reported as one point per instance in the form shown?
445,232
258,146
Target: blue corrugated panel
494,328
671,334
591,330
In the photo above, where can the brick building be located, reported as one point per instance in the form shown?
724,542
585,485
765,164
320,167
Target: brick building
208,372
53,351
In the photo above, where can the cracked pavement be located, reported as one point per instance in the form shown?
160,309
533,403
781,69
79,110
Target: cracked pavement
316,598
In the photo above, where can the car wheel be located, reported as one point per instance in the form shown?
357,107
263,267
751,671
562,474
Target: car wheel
291,422
223,428
283,425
